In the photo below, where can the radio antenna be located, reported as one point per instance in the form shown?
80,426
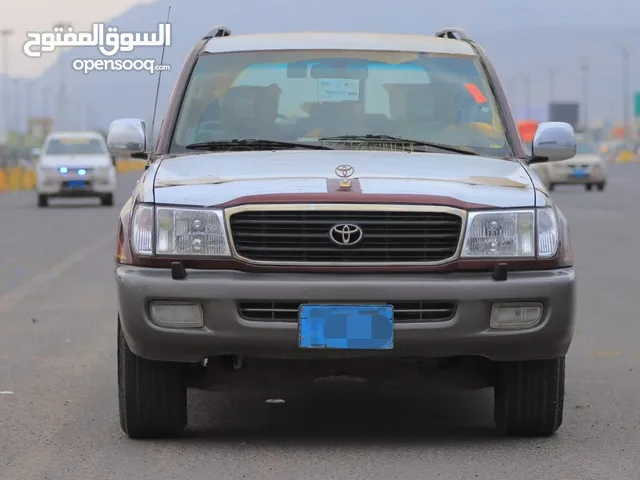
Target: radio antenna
155,104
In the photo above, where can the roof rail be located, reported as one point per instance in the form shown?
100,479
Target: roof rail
453,33
217,32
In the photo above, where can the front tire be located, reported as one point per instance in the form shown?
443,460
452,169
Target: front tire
588,187
107,200
152,395
43,201
529,397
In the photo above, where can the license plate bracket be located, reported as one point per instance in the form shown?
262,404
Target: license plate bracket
579,172
346,327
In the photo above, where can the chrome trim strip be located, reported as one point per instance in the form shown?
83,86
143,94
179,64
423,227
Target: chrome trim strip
228,212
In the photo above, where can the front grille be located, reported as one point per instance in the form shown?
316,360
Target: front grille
303,236
403,311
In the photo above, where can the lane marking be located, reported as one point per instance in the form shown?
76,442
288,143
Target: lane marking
6,392
10,299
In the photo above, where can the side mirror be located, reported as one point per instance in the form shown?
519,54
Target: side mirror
126,137
35,154
553,141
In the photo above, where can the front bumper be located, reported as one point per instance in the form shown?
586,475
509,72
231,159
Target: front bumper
226,332
58,185
564,176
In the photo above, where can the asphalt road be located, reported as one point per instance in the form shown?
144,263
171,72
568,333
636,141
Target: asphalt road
58,407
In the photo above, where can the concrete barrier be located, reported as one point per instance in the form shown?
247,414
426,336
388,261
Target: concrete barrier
124,165
627,156
4,181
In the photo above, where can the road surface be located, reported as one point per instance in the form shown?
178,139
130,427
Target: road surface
58,407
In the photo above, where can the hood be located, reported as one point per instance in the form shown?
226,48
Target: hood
212,179
75,160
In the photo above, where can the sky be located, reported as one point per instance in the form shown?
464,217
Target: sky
39,15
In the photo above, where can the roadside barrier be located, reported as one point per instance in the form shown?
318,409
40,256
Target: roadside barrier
627,156
124,165
20,178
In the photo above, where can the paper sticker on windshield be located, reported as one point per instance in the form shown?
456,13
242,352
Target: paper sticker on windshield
475,92
338,90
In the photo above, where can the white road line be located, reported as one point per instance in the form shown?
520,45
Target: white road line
10,299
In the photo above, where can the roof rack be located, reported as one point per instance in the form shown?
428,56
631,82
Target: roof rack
454,34
217,32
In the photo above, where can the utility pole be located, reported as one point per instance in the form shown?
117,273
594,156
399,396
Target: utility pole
552,85
585,94
29,102
17,106
61,112
45,101
5,33
625,93
527,95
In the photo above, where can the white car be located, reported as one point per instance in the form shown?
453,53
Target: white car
75,164
586,168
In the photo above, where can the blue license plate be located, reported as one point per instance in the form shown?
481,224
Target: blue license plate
579,172
346,327
76,183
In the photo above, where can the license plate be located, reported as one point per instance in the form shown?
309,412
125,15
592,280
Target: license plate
346,327
579,172
76,184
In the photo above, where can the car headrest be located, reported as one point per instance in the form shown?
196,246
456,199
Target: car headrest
249,107
409,101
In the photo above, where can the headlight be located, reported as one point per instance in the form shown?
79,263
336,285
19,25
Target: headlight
547,228
103,171
179,232
511,233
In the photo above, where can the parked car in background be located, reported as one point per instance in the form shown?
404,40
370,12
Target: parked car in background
75,165
587,168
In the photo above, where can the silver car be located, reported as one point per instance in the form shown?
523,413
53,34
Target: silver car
587,168
389,230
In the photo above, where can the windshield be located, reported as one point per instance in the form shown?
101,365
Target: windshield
585,149
75,146
303,95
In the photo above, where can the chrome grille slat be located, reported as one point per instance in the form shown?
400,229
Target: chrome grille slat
404,311
302,236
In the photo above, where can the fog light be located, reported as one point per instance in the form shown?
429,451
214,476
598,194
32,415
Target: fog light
176,315
515,315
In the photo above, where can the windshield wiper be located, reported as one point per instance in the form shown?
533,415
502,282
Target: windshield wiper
249,143
404,140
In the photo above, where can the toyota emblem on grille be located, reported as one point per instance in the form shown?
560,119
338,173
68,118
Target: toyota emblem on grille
346,234
344,171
